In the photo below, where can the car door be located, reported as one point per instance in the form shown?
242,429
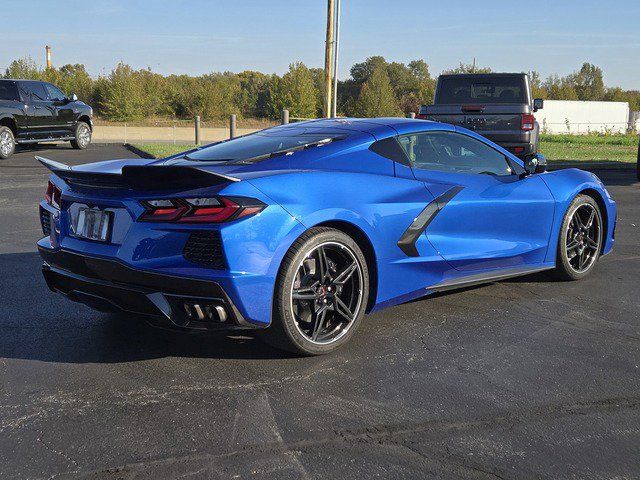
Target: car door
40,112
488,216
63,113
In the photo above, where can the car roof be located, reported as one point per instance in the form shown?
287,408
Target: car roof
379,127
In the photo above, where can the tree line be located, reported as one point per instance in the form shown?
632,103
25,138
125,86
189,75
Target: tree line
375,87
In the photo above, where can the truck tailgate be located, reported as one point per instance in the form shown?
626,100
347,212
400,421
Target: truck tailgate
496,122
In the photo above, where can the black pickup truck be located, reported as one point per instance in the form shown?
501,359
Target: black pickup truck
498,106
33,112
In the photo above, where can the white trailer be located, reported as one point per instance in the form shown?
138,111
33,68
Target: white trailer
576,117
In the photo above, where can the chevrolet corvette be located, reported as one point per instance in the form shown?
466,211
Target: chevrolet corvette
299,230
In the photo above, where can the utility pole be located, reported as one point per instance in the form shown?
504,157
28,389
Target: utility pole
334,112
47,49
328,58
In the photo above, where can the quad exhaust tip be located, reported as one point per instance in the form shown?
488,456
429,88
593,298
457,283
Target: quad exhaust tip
205,312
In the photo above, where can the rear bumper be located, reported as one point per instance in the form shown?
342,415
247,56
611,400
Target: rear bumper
109,285
518,149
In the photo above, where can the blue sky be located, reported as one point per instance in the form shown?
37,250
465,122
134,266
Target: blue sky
197,37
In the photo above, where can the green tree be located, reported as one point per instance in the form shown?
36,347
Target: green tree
559,88
537,88
295,91
75,79
23,68
468,68
361,72
254,93
420,70
376,97
588,82
121,95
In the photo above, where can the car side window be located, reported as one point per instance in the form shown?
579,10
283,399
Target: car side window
34,91
54,93
453,152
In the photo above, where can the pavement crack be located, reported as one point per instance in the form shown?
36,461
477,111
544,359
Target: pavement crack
57,452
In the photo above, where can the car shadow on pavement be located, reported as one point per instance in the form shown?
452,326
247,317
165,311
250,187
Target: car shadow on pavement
37,324
618,177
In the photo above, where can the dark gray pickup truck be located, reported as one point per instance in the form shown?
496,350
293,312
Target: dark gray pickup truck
498,106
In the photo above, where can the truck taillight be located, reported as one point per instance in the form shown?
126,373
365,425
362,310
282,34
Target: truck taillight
422,113
53,194
200,210
527,123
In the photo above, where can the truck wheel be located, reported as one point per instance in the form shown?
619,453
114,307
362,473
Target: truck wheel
82,136
7,142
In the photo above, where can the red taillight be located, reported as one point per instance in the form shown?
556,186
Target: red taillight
421,116
527,122
53,195
200,210
212,214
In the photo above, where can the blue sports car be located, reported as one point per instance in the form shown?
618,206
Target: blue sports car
301,229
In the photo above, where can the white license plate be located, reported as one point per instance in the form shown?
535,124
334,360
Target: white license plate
93,224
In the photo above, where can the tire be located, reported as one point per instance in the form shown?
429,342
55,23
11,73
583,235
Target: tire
82,136
318,325
7,142
582,237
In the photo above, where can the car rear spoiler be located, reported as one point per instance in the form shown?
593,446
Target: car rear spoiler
139,177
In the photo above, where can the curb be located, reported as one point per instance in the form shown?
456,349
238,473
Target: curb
137,151
589,166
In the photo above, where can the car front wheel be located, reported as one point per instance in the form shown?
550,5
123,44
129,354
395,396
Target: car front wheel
580,239
321,293
82,136
7,142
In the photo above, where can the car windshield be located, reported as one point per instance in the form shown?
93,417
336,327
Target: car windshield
476,90
259,145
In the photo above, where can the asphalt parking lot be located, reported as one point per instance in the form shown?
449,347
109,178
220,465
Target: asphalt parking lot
527,378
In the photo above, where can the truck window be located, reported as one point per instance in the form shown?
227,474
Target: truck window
8,91
34,90
53,93
475,90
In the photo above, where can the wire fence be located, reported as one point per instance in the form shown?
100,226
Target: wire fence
570,127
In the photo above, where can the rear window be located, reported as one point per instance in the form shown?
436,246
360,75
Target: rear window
474,90
257,146
8,91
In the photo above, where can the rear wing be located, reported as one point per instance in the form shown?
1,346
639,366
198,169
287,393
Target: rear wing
139,177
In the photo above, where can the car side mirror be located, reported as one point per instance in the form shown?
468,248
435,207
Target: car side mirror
538,104
535,164
72,98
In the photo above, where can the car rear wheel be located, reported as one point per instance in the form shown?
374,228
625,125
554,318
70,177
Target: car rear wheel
580,241
321,293
82,136
7,142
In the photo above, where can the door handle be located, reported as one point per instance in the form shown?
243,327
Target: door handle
37,107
